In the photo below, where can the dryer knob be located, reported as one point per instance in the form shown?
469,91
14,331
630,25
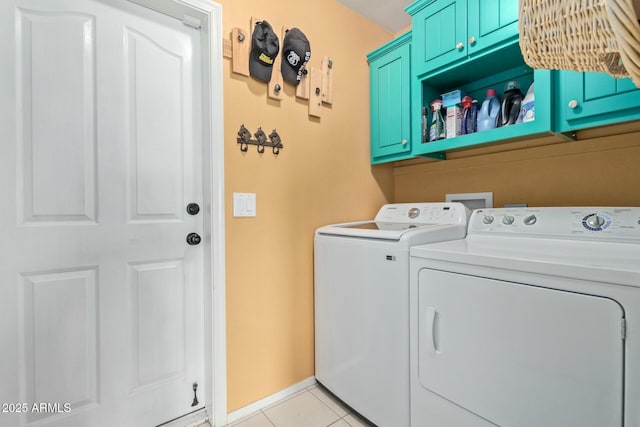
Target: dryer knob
530,220
508,220
487,219
595,221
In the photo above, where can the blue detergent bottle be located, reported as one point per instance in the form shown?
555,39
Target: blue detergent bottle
470,110
488,114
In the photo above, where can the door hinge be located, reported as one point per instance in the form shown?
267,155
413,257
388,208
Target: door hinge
623,328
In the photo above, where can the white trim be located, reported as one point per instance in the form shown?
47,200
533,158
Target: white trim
213,14
215,301
270,400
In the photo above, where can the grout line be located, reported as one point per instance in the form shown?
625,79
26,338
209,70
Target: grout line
267,417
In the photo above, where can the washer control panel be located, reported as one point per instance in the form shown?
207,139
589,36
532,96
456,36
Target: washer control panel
424,213
613,223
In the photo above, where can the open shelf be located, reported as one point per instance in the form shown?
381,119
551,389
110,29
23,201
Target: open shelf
474,77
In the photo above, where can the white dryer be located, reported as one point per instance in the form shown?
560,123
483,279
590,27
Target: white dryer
532,320
362,304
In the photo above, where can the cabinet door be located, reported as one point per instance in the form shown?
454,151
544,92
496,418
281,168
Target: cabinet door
491,22
390,105
595,99
439,35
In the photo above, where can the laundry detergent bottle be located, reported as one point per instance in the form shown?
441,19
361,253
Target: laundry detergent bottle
511,104
528,110
470,109
488,114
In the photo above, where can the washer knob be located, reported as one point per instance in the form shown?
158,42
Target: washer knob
595,221
508,220
530,220
413,213
487,219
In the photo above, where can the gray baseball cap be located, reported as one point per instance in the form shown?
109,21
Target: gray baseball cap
264,50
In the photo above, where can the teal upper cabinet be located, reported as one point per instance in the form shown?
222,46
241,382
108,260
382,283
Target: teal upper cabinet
491,22
446,31
390,77
594,99
439,31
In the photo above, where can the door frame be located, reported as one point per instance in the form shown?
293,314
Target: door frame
208,14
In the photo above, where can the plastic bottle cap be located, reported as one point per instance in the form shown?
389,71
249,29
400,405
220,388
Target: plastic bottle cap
466,101
491,92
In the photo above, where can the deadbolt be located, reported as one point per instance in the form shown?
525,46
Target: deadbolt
193,239
193,209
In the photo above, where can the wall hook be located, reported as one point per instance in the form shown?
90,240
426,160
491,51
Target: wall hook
261,137
276,141
244,139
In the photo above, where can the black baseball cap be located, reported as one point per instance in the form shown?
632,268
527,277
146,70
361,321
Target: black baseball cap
296,52
264,50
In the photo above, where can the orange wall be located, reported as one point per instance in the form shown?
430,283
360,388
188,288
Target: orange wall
321,176
600,169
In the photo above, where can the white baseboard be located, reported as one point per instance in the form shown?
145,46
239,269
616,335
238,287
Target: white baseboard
269,400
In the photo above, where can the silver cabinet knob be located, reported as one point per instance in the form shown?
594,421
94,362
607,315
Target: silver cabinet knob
573,104
472,40
404,142
459,46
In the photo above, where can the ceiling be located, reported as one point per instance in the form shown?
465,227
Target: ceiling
388,14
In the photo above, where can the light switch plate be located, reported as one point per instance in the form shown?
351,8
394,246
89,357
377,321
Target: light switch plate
244,204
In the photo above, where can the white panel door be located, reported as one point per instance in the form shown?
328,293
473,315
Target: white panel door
519,355
100,294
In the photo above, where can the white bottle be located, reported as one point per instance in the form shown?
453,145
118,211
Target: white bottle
528,110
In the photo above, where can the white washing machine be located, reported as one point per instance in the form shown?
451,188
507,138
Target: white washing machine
532,320
362,304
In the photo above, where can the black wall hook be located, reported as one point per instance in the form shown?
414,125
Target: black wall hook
276,141
244,139
261,138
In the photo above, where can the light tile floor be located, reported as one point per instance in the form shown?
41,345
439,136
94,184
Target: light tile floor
312,407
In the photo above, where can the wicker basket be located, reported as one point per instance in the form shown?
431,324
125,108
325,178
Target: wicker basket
581,35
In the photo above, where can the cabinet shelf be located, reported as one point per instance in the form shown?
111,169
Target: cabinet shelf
492,136
474,77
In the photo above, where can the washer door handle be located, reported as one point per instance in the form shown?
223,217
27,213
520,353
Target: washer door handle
431,332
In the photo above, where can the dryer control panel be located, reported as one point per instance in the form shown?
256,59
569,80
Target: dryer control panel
601,223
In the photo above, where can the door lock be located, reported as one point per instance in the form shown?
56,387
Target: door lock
193,208
193,239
